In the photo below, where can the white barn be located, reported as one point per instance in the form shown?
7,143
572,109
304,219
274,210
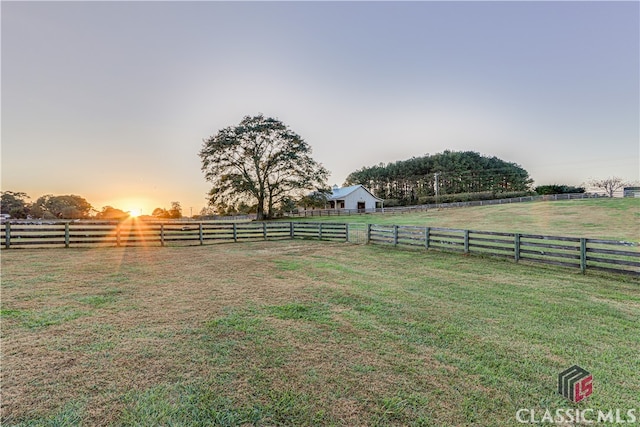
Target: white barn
353,197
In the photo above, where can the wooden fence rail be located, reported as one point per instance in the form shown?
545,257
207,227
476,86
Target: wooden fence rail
139,233
573,252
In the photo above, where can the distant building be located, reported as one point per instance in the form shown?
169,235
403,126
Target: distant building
353,197
631,191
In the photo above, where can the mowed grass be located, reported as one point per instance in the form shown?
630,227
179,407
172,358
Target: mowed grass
304,333
617,219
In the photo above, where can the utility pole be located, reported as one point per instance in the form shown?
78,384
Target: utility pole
437,187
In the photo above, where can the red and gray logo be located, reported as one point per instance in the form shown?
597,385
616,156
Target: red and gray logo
575,383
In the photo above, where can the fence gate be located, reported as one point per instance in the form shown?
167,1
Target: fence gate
358,233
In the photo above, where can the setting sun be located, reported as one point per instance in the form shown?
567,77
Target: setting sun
134,213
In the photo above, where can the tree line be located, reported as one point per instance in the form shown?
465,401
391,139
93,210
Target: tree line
421,179
18,206
261,166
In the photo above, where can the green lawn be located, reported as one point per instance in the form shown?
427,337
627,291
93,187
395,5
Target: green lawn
617,219
304,333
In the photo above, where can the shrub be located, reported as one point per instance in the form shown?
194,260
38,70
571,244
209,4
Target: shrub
557,189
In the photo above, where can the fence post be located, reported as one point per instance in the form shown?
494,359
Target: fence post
66,234
395,235
7,235
516,247
346,230
427,231
466,241
368,233
320,231
291,230
118,235
161,234
235,232
583,255
201,235
264,230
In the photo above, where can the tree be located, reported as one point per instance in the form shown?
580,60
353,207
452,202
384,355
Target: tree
287,205
207,211
67,206
316,199
160,213
609,185
111,213
14,204
260,161
176,210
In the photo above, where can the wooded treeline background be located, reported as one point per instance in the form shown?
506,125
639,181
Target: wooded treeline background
70,206
466,174
458,176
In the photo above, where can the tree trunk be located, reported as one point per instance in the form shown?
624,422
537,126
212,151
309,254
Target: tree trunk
260,209
270,209
270,205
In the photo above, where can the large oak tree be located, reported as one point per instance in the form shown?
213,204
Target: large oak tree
260,161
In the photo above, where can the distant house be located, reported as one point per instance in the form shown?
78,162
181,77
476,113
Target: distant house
631,191
353,197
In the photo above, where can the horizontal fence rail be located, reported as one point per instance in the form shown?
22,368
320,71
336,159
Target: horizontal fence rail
573,252
139,233
417,208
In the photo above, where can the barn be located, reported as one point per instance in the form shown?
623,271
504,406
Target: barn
354,197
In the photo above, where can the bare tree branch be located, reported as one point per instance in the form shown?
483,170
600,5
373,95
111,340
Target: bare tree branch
609,185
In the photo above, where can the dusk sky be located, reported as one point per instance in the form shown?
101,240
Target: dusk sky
111,100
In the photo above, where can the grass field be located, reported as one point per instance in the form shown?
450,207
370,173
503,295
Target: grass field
304,333
617,219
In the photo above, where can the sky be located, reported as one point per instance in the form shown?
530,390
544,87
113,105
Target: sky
112,100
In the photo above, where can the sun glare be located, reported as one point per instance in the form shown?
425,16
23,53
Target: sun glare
134,213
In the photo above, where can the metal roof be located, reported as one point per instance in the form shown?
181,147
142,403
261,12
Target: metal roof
341,193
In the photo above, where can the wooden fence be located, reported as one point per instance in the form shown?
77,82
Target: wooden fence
139,233
573,252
